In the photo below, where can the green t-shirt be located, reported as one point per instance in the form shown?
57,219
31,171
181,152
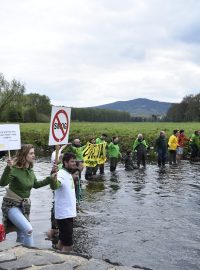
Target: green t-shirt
22,180
113,150
78,151
98,141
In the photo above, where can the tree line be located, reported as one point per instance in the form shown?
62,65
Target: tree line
186,111
16,106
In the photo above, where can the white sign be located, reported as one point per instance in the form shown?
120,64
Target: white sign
10,137
59,126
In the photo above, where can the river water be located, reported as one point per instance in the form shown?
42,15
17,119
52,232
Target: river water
149,218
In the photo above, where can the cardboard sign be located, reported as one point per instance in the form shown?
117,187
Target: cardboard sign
10,137
59,126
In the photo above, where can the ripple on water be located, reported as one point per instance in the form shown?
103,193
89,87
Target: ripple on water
148,217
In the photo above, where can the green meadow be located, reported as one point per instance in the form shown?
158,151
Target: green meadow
38,133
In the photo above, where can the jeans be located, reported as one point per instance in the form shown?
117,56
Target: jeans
24,232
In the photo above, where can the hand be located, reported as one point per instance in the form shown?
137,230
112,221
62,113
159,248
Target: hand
54,168
9,163
54,176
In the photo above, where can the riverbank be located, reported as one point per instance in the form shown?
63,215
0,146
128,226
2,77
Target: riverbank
38,133
13,256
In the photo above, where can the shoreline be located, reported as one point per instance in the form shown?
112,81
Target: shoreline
15,256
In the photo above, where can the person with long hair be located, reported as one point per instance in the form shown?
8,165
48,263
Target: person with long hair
16,205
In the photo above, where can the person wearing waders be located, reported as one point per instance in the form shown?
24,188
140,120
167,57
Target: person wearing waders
195,145
161,149
90,171
114,153
102,139
140,147
172,146
182,141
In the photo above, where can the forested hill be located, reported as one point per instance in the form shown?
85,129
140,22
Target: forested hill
139,106
16,106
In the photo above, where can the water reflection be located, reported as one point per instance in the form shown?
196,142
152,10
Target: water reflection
148,218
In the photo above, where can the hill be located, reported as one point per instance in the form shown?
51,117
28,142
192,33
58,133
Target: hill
139,106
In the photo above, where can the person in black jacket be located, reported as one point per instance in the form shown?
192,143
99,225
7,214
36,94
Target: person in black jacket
161,148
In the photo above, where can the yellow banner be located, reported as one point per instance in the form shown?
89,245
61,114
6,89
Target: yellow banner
94,154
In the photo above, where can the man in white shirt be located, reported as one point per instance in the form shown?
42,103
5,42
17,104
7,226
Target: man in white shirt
65,202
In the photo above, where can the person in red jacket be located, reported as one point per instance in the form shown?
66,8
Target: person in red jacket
182,141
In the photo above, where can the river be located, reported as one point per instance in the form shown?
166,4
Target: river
149,218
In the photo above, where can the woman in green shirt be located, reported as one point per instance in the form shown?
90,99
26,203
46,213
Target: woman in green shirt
16,205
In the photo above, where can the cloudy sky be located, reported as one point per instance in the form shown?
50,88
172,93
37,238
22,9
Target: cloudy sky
91,52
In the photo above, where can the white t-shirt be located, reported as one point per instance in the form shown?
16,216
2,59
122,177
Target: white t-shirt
65,197
53,156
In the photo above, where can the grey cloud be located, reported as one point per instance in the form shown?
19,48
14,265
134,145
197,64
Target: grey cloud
104,50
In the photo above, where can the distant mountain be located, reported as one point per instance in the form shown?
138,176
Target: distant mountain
139,106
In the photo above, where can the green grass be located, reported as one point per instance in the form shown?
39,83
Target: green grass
38,133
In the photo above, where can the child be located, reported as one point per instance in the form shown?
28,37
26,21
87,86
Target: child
77,183
128,161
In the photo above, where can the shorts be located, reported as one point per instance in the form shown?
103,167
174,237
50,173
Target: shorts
179,151
65,231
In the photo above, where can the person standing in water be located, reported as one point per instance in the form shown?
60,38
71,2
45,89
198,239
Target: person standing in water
65,202
172,146
161,149
182,140
140,147
102,139
114,153
16,205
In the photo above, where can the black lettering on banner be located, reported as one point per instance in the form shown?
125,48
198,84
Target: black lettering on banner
86,150
100,150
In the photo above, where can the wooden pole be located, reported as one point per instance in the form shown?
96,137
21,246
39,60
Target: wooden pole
57,152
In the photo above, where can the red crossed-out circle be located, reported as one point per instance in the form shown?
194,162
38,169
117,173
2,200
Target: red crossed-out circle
64,132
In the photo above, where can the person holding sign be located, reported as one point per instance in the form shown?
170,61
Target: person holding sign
20,177
65,202
99,140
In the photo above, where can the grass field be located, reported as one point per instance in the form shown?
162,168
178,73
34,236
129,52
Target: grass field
38,133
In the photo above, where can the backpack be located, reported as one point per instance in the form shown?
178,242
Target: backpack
2,233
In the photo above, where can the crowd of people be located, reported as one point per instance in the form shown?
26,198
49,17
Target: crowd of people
64,180
170,150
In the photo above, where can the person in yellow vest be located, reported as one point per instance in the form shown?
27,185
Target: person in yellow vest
172,146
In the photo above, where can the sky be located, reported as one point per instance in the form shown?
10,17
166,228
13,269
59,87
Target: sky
85,53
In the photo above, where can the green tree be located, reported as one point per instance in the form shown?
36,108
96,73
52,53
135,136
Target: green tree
9,92
40,102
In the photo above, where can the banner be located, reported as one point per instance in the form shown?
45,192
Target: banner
94,154
10,137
